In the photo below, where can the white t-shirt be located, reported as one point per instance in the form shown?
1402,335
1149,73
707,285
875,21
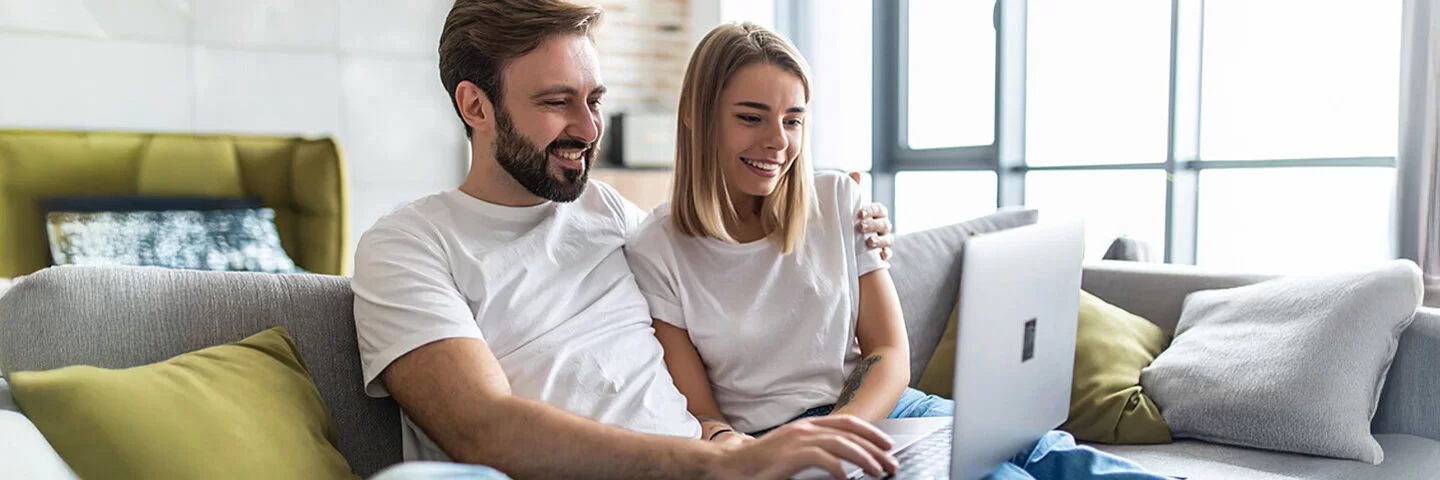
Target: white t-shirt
546,287
776,332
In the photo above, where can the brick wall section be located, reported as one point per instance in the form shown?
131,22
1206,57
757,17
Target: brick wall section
643,46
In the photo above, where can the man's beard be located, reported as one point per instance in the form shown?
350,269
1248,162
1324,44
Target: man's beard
530,166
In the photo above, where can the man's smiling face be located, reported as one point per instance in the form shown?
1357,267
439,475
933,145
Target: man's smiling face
548,125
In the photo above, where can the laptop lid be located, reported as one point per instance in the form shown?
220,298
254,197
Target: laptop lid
1018,304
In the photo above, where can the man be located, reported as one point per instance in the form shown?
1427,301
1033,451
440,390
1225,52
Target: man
502,315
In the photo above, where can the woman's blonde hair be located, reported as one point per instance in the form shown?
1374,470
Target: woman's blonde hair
700,199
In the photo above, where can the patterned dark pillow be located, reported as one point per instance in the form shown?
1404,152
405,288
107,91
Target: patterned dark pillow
226,240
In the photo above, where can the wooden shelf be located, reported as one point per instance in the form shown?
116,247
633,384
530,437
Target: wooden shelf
647,187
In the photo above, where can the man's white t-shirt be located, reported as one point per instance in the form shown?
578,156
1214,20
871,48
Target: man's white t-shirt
546,287
776,332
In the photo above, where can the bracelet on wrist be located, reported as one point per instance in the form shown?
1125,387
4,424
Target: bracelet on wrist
718,432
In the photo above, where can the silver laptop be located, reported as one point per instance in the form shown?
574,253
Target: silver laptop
1015,351
1018,304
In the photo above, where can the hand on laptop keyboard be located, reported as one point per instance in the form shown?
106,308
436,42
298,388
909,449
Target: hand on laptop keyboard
816,441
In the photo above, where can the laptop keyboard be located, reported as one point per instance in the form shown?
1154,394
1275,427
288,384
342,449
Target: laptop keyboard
927,458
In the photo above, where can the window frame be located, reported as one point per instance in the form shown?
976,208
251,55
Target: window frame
1006,155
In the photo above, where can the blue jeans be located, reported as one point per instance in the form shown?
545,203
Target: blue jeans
1054,455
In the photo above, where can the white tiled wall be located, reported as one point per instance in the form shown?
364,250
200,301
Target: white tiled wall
266,92
363,71
82,83
281,24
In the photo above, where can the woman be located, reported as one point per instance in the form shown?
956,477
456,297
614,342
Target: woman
768,304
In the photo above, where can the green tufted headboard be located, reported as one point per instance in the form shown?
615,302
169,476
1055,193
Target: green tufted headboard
303,180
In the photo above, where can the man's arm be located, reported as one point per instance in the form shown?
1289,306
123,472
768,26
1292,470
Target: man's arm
688,371
455,391
875,385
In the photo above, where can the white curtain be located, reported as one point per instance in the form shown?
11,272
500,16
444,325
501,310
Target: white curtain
1419,155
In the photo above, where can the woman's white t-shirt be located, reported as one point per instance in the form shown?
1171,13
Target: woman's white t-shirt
776,332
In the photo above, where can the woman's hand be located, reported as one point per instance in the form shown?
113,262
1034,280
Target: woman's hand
733,438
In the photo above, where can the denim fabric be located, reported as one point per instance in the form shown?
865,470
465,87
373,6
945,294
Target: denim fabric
915,404
1056,455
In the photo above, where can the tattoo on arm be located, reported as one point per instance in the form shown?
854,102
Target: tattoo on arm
857,378
715,424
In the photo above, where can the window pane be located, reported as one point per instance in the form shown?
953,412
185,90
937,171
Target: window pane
1294,220
1097,82
840,104
925,200
1112,203
951,78
1300,79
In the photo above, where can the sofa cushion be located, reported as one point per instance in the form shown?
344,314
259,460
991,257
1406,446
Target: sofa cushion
926,271
24,453
241,239
1107,403
119,317
939,375
210,413
1406,456
1293,364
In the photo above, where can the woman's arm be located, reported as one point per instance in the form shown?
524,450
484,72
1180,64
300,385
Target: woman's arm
877,382
688,371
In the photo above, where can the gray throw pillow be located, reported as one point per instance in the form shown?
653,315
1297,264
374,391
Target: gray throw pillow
926,272
1294,364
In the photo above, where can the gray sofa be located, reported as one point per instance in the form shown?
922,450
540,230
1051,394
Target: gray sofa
121,317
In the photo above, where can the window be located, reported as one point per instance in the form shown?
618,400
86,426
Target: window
951,79
1230,133
1287,79
762,12
1097,82
1297,220
1112,203
936,199
840,110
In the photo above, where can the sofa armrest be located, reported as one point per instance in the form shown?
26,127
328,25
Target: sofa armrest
1412,388
24,453
1156,291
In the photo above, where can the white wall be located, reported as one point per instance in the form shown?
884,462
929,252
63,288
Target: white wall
363,71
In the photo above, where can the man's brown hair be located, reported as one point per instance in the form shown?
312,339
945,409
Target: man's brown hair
482,36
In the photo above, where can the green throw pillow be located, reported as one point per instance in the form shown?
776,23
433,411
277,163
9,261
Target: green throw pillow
1106,404
939,373
248,409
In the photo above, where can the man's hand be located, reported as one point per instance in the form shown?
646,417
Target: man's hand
817,441
874,218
